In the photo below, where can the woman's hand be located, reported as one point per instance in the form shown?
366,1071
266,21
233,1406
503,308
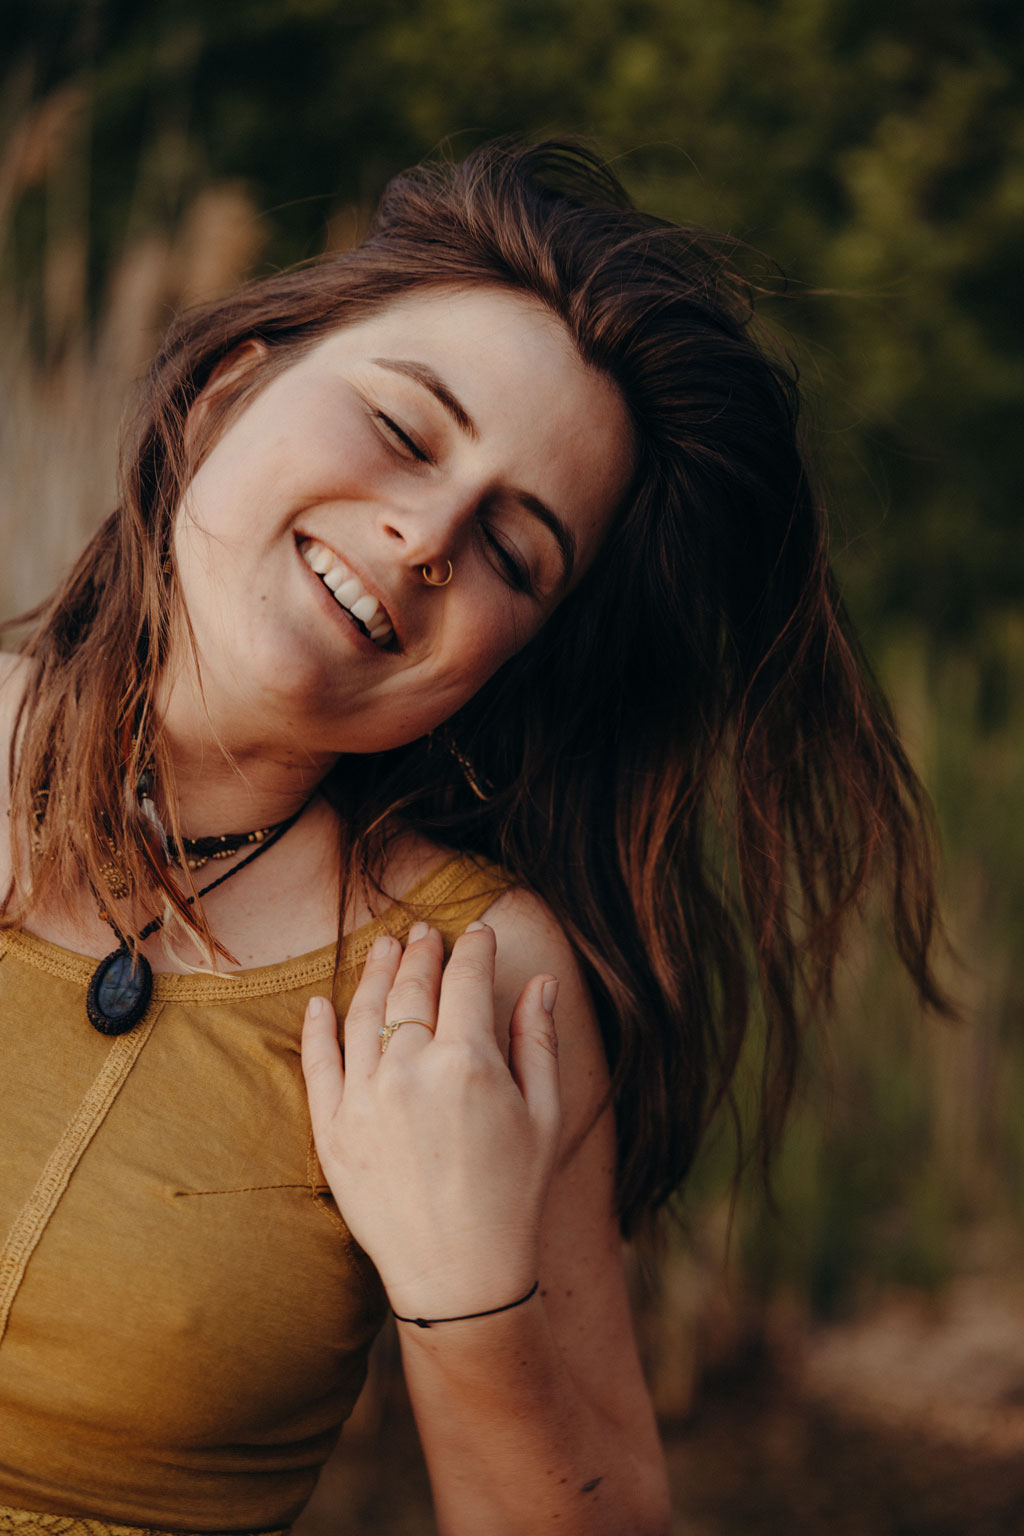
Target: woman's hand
438,1151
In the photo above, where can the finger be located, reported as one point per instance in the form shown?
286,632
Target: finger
467,988
415,989
533,1053
366,1011
321,1062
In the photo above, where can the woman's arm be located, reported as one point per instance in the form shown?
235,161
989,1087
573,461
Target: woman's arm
453,1172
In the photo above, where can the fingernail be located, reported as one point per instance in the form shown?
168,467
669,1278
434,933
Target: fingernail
418,931
477,927
315,1007
548,994
380,947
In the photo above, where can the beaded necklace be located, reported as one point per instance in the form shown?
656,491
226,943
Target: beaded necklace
122,983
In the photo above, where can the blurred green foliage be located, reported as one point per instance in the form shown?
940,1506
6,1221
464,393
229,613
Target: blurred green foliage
872,149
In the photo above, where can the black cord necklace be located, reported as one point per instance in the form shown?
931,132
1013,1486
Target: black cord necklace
122,984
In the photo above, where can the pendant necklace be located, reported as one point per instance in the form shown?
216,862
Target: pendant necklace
122,983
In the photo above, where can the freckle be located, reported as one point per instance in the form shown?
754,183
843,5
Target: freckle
589,1487
567,1295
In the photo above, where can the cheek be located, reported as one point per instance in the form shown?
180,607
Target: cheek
425,698
491,631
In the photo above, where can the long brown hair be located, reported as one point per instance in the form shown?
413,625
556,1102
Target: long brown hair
690,763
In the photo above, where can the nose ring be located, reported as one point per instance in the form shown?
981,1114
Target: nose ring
425,571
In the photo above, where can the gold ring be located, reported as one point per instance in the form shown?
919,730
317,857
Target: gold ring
387,1030
425,573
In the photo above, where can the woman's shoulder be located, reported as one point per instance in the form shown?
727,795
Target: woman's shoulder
12,668
530,938
15,675
525,924
531,941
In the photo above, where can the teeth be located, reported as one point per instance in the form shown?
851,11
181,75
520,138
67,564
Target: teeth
365,608
348,591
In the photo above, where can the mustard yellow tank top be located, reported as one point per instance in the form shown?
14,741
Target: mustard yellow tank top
184,1317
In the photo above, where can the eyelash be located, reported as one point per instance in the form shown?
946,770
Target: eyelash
512,570
395,431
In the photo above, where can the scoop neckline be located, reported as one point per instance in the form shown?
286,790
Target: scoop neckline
312,966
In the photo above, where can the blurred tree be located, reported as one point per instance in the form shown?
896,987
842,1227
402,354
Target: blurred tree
874,149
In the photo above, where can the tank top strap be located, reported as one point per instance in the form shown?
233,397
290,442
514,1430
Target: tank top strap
457,893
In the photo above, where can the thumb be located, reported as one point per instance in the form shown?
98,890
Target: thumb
321,1062
533,1051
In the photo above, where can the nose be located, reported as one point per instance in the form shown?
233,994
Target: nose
427,536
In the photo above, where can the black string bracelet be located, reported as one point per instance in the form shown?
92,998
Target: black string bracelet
467,1317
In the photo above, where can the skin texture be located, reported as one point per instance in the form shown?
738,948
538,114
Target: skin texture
471,1162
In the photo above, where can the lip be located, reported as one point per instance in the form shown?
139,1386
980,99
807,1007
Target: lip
301,535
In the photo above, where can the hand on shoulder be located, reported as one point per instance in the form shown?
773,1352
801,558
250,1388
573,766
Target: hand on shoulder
530,940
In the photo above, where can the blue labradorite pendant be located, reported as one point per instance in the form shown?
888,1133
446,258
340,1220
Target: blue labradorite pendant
119,992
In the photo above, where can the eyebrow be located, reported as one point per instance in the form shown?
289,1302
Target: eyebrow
422,373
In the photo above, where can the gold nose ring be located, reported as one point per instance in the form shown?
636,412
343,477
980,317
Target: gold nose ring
425,571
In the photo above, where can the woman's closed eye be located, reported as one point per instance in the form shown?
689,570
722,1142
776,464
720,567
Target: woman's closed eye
505,559
401,441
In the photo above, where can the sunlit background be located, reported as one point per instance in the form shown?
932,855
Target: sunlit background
853,1361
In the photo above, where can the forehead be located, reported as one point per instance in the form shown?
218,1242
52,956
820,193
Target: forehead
542,418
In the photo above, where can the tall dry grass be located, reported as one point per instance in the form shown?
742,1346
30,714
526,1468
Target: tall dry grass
70,358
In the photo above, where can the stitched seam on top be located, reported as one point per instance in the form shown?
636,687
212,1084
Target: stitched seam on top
312,1168
283,976
32,1219
241,1189
29,1522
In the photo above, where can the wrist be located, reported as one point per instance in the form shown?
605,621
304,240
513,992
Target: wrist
460,1284
470,1317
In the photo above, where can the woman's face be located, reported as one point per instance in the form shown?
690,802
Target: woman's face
452,426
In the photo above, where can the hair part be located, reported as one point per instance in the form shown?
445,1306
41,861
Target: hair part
690,763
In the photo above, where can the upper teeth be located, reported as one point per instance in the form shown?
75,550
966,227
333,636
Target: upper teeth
348,590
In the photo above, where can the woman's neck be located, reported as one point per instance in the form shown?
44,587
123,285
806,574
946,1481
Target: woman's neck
237,775
217,793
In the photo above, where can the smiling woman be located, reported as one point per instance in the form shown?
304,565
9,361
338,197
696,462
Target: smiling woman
453,426
469,575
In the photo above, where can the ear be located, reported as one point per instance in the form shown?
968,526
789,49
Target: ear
223,387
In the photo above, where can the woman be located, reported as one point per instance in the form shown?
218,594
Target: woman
475,570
